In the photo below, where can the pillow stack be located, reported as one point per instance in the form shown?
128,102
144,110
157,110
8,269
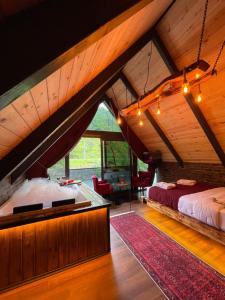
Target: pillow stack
189,182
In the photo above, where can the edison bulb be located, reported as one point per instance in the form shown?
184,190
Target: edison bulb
119,121
186,88
197,75
139,112
141,123
158,112
199,97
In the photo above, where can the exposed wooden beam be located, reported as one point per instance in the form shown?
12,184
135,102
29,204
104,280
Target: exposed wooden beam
151,119
104,135
39,40
189,99
129,86
21,154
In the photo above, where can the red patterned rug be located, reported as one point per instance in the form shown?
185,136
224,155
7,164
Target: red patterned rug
177,272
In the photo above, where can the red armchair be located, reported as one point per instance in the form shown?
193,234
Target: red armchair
143,179
102,187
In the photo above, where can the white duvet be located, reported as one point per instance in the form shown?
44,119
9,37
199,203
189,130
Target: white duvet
207,206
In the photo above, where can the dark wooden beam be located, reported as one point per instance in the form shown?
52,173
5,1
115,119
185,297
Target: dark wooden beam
104,135
44,136
152,120
190,99
39,40
129,86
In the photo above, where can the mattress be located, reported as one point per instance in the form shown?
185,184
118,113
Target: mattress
171,197
207,206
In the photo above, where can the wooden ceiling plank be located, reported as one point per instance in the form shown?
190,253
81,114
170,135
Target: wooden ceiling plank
53,91
56,21
190,99
25,106
152,120
44,134
40,97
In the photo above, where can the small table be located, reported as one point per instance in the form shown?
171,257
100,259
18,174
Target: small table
122,185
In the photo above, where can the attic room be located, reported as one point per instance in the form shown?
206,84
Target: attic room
112,149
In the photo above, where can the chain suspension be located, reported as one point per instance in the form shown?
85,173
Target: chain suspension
217,59
203,29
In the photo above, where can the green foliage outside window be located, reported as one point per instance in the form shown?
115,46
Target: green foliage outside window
117,154
104,120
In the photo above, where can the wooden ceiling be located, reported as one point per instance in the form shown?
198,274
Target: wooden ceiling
179,30
180,33
27,112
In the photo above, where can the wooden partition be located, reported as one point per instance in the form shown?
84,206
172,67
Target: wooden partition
30,250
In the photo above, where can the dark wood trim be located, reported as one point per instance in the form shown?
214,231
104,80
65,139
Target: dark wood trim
67,166
102,158
47,134
152,121
39,40
129,86
190,99
104,135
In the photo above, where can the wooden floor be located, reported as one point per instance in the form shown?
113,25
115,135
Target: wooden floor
118,275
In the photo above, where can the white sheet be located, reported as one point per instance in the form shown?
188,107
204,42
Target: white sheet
40,190
204,206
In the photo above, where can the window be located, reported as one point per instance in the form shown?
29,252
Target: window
58,170
142,166
86,154
104,120
117,154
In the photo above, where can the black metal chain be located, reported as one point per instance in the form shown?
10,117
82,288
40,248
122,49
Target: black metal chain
149,60
203,29
217,59
114,95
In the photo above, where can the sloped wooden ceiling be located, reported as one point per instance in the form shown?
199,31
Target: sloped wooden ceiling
180,32
30,110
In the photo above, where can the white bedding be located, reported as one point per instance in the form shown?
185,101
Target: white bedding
40,190
207,206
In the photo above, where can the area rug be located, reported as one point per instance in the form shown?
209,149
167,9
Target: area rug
178,273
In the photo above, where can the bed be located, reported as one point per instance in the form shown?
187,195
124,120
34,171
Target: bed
201,207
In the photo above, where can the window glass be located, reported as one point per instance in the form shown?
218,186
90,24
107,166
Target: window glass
104,120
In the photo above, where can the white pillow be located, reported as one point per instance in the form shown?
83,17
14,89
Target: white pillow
189,182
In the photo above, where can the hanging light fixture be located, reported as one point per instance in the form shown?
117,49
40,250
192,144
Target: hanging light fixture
141,123
119,120
139,110
186,85
199,96
158,112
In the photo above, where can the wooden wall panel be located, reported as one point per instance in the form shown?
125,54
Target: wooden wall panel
35,249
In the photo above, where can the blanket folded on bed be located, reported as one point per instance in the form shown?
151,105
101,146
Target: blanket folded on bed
165,185
189,182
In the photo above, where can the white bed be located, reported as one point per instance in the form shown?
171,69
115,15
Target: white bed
207,206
